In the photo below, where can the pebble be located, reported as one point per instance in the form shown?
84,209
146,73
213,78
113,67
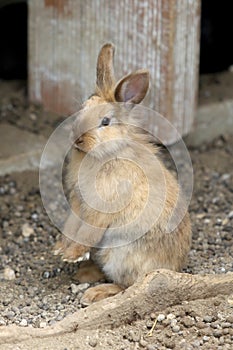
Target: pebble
221,340
10,314
217,333
9,274
134,336
34,216
46,274
173,322
27,230
206,338
2,322
225,177
161,317
230,300
200,325
170,316
226,325
92,342
230,215
230,319
153,316
43,324
170,344
23,323
151,347
33,116
176,329
76,288
196,344
188,321
142,342
207,319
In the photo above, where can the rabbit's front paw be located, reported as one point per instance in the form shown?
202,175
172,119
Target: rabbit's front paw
76,252
60,247
100,292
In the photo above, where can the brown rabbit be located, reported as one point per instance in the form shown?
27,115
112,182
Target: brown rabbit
122,196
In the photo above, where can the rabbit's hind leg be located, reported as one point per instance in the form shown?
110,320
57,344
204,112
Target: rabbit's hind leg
88,272
100,292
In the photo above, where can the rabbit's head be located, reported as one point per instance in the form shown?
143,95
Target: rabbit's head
101,126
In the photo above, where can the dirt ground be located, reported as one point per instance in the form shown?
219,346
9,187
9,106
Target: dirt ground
37,289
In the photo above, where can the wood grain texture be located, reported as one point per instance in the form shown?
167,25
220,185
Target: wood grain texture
161,35
157,291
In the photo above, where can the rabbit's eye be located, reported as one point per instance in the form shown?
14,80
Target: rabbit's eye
105,121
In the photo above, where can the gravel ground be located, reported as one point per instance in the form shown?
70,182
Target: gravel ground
37,289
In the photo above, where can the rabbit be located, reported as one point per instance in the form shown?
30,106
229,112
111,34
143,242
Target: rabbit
130,238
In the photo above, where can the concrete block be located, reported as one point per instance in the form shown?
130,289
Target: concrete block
19,149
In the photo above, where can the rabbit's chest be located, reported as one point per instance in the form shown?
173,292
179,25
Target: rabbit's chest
112,185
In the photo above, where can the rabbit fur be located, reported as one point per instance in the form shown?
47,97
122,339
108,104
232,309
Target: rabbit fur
122,212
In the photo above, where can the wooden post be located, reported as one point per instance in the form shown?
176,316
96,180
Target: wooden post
161,35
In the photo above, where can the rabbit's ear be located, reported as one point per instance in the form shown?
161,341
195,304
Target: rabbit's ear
133,87
105,79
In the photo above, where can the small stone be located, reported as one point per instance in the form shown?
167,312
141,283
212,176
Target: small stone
43,324
27,230
2,190
46,274
160,317
206,338
2,322
217,333
142,342
76,288
226,325
200,325
23,323
221,340
9,274
196,344
134,336
188,321
230,215
34,216
153,316
171,316
173,322
149,324
170,344
225,221
230,300
10,314
225,177
151,347
207,319
59,318
5,224
33,116
93,342
229,319
176,329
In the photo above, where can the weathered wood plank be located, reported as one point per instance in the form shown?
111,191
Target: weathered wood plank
161,35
